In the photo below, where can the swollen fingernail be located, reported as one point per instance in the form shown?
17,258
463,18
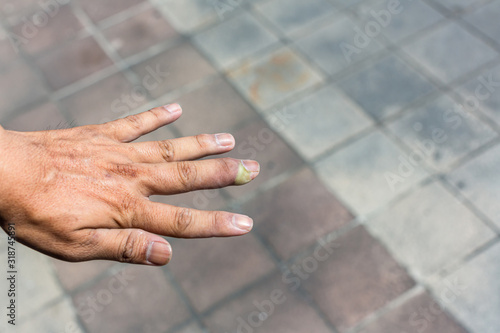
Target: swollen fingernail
243,223
224,140
247,172
173,108
159,253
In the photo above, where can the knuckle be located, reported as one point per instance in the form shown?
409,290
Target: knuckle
183,219
135,121
126,170
216,219
167,150
204,141
132,248
187,173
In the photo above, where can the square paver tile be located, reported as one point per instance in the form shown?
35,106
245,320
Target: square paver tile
479,181
336,46
296,213
211,269
396,22
268,307
471,293
419,314
450,52
43,117
442,132
109,99
213,108
319,122
44,320
274,78
457,5
139,33
481,93
257,141
58,29
72,62
358,278
420,230
19,86
486,20
234,40
100,10
74,275
135,299
172,69
386,87
369,173
290,16
37,285
188,15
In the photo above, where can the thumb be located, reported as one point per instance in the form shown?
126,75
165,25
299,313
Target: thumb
133,246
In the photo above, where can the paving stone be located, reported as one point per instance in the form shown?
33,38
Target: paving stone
58,29
36,282
211,269
43,117
188,15
193,328
485,19
419,314
369,173
273,78
386,87
64,315
319,121
234,40
80,58
139,33
17,9
397,22
479,94
19,86
172,69
213,108
99,10
8,51
442,52
267,307
136,299
479,181
442,132
291,16
420,230
296,213
470,293
456,5
336,47
74,275
357,279
109,99
257,141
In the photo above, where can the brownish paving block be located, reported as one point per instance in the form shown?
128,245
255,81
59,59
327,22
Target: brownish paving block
73,275
420,314
139,33
357,279
43,117
72,62
294,214
172,69
137,299
211,269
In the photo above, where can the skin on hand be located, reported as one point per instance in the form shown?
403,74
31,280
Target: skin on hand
83,193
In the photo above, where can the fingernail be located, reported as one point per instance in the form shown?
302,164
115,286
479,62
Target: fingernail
247,172
159,253
242,222
173,108
224,140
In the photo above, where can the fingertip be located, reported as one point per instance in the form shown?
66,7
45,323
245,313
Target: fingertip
248,170
242,224
225,141
159,253
173,109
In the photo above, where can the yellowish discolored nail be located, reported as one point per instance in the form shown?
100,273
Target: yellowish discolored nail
247,171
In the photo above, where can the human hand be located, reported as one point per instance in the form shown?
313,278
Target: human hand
83,193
